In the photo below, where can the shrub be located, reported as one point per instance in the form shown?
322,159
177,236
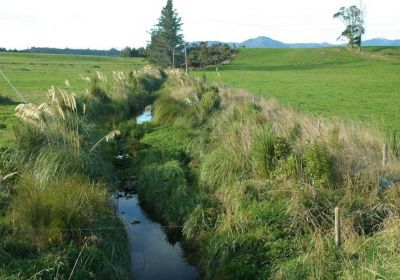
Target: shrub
290,168
295,132
282,148
319,166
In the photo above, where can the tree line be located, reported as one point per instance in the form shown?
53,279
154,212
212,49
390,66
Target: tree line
167,47
110,52
132,52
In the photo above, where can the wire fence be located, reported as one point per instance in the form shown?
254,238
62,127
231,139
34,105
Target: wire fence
12,86
97,228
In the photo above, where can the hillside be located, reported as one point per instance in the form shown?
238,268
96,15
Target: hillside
330,81
267,42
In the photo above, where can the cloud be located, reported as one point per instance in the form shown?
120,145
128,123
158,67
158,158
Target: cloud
120,23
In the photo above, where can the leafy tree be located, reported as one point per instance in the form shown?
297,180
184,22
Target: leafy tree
142,52
201,54
132,52
353,18
166,46
126,52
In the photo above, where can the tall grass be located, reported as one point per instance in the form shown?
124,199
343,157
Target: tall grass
47,228
264,181
54,138
44,211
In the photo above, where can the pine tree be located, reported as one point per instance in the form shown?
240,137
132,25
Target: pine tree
166,46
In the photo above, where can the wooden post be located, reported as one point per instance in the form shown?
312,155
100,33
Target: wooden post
186,60
384,155
338,230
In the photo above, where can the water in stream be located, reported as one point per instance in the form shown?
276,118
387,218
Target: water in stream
146,116
153,257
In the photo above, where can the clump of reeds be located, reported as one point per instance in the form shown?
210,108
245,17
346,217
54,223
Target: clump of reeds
53,139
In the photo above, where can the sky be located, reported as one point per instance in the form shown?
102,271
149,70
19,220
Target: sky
99,24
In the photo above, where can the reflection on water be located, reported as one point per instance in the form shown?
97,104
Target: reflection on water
145,117
153,257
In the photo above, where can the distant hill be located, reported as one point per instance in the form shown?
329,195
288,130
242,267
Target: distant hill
110,52
263,42
267,42
382,42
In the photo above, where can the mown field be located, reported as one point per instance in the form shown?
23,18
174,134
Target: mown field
33,74
330,81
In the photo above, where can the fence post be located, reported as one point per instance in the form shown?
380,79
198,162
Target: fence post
338,230
384,155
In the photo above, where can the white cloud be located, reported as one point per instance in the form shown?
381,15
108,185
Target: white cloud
118,23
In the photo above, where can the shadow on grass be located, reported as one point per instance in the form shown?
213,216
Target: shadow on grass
4,100
290,67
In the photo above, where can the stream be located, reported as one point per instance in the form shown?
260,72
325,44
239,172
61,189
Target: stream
153,256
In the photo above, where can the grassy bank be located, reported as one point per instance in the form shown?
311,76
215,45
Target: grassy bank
56,178
255,185
327,82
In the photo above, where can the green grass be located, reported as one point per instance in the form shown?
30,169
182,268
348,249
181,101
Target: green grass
34,74
329,81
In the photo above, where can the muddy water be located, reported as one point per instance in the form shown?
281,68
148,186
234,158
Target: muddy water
153,257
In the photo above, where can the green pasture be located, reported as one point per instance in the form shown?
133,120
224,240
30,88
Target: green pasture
331,81
34,74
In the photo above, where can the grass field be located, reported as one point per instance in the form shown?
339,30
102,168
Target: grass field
33,74
331,81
